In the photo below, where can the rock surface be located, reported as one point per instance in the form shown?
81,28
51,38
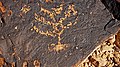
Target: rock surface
24,36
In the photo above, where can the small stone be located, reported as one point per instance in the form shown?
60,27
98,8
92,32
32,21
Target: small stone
16,27
76,47
70,54
65,55
2,37
90,12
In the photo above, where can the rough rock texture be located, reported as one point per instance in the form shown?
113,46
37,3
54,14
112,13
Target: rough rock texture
19,44
105,55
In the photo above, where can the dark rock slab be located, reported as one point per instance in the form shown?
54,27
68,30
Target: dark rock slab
18,43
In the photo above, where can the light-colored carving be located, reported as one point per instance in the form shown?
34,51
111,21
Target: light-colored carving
25,9
57,25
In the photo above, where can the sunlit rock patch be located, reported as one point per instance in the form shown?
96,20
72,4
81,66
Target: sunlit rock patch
105,55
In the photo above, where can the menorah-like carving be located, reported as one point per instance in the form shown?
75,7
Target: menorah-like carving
57,25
